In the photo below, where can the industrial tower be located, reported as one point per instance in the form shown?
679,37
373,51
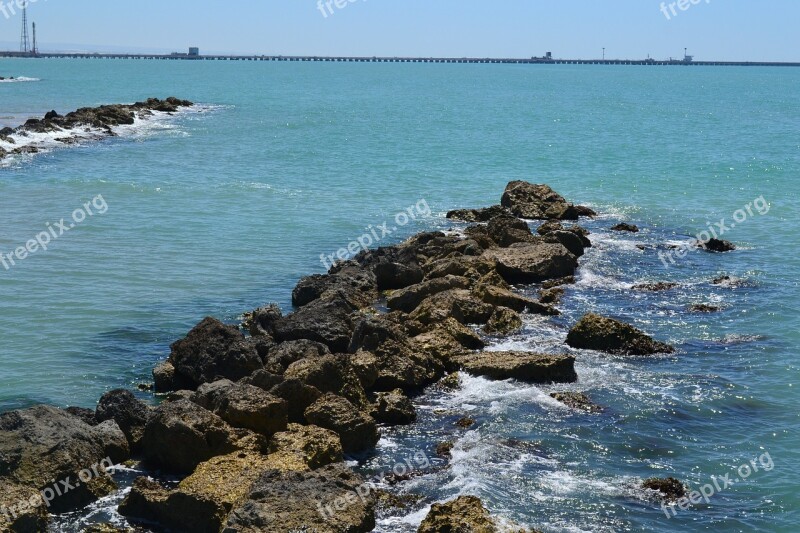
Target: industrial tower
24,42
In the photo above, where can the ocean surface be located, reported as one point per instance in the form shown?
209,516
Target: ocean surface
220,209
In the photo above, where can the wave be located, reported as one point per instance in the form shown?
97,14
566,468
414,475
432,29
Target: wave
19,79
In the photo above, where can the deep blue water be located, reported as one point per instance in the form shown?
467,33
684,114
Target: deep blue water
220,210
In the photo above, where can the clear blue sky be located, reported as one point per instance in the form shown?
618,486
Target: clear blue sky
712,29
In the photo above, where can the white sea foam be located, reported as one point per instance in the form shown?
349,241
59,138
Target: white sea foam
20,79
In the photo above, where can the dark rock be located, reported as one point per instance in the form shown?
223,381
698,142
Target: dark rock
523,366
394,408
409,298
181,435
527,200
395,267
623,226
284,354
533,262
325,501
244,406
568,280
497,296
260,322
263,379
51,115
443,449
329,373
22,509
129,413
298,396
459,304
668,489
479,215
357,431
572,242
326,321
355,284
704,308
507,230
717,245
87,415
42,444
212,351
576,400
595,332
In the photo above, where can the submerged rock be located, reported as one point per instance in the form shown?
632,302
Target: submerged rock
704,308
624,226
655,286
669,489
576,400
717,245
523,366
595,332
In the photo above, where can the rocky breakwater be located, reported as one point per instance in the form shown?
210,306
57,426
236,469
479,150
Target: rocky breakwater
86,123
257,419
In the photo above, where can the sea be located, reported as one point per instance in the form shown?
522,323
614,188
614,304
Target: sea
221,208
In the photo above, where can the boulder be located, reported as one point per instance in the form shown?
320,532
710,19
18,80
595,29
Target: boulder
479,215
624,226
465,513
472,268
460,304
212,351
395,267
201,502
42,444
284,354
394,408
129,413
498,296
655,286
87,415
704,308
595,332
522,366
312,445
244,406
22,509
503,321
180,435
329,373
329,322
533,262
507,230
260,322
408,299
352,282
531,201
298,397
328,500
717,245
551,296
574,243
356,430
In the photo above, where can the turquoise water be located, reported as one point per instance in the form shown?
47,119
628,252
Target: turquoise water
217,212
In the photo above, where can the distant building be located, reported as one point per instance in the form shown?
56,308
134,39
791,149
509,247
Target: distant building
194,51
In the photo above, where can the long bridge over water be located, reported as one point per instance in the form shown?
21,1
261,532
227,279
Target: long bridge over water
528,61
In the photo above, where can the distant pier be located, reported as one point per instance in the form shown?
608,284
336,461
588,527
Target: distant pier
530,61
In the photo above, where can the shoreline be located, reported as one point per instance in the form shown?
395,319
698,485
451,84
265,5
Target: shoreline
304,389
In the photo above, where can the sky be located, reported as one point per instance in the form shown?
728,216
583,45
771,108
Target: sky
724,30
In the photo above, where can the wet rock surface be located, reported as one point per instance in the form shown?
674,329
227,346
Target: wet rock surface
595,332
